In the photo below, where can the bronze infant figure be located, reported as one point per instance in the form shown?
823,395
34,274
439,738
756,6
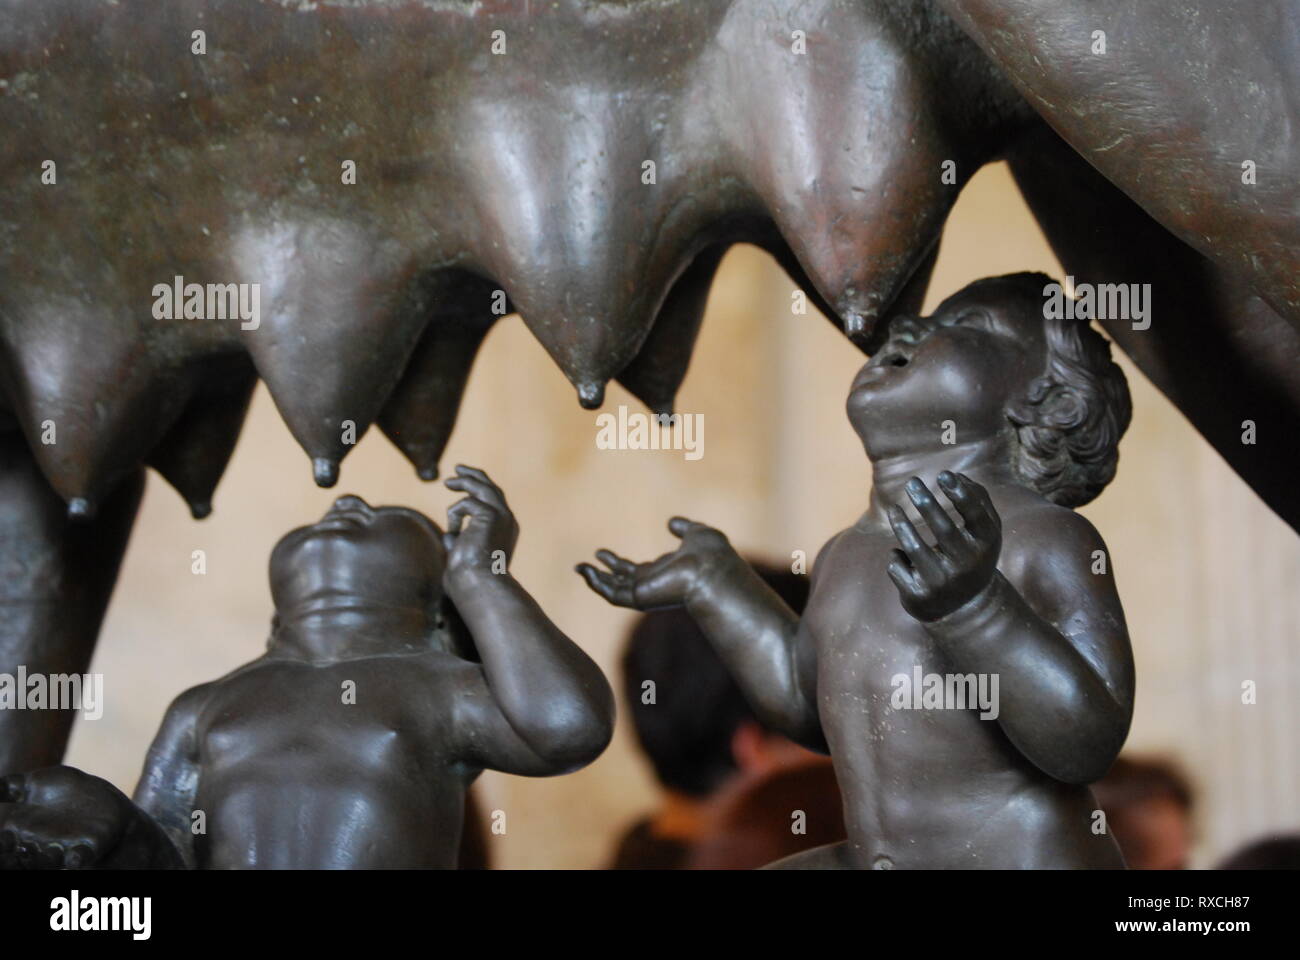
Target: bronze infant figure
1015,413
402,662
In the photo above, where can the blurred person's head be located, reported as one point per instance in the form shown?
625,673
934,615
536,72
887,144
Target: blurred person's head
1148,806
788,811
699,731
1271,853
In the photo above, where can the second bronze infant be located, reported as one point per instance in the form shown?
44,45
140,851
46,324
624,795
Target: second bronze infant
1014,415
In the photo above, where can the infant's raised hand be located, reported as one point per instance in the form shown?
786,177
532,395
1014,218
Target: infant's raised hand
491,533
666,582
934,581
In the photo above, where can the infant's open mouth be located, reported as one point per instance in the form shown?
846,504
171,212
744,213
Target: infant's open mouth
891,356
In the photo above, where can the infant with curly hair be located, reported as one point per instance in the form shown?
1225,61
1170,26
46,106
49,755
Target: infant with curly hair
1014,415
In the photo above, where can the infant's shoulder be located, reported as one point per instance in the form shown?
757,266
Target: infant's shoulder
1036,531
1025,513
213,697
285,674
842,547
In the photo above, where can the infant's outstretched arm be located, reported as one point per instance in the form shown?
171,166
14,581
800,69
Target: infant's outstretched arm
169,784
1058,644
756,634
538,706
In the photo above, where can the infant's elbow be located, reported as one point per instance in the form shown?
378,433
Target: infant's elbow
577,734
1089,762
1082,773
573,750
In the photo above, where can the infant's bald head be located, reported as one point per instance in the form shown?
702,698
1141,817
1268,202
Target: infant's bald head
357,555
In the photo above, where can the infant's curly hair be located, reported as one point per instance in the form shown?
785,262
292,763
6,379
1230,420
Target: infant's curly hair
1069,423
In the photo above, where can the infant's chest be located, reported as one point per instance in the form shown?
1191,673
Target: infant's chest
864,637
299,708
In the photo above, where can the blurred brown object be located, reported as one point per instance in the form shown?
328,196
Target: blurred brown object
646,846
1281,852
785,812
1148,806
698,732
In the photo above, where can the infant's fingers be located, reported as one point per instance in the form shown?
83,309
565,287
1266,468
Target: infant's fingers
51,856
469,507
605,585
14,840
28,852
974,504
612,560
977,490
25,836
80,855
901,572
596,579
935,516
478,490
468,471
466,486
498,495
918,553
680,526
476,482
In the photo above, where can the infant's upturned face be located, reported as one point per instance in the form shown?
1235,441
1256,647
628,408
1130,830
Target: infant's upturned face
387,556
965,363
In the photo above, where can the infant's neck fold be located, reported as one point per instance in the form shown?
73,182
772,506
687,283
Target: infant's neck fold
354,628
984,461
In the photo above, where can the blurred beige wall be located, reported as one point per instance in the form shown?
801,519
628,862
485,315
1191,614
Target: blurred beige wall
1209,577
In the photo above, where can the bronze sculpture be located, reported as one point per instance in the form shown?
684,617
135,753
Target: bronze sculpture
392,175
1126,86
351,742
1013,595
231,170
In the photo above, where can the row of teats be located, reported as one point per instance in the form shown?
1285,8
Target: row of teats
593,192
97,397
